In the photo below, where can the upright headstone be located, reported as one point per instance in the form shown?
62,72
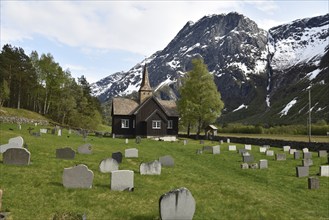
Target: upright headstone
269,153
78,177
286,148
253,166
263,164
138,140
131,153
244,166
207,148
267,147
296,155
262,149
122,180
221,142
292,151
242,151
43,130
324,170
70,131
305,150
302,171
307,155
199,151
247,146
117,156
228,140
85,149
108,165
150,168
113,135
16,156
5,147
177,204
248,158
323,153
126,141
232,147
216,149
59,132
307,162
167,161
65,153
19,141
19,128
185,142
201,141
313,183
280,156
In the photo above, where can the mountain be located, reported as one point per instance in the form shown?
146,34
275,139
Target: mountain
263,76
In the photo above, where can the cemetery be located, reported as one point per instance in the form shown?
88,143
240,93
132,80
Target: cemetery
114,178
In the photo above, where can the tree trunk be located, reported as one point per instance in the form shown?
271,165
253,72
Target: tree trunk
188,129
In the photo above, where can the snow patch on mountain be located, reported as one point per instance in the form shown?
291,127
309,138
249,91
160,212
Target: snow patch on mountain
286,109
240,107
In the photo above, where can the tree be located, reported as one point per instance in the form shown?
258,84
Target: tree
200,102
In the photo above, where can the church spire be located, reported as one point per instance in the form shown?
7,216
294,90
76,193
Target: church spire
145,90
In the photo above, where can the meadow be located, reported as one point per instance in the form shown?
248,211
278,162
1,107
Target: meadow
221,189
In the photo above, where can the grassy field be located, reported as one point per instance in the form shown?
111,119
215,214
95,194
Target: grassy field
222,190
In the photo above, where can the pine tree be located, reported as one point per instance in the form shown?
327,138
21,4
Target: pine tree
200,103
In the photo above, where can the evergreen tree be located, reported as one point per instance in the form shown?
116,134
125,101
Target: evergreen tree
200,103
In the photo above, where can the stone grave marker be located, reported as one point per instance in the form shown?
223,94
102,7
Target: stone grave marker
263,164
307,162
280,156
122,180
59,132
232,147
247,158
302,171
65,153
150,168
108,165
177,204
313,183
324,170
19,128
244,166
216,149
247,146
201,141
43,130
185,142
242,151
126,141
131,153
138,140
19,141
228,140
221,142
262,149
253,166
305,150
167,161
296,155
286,148
85,149
307,155
5,147
267,147
269,153
207,148
292,151
323,153
78,177
117,156
16,156
113,135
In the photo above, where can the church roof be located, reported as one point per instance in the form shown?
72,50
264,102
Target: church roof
169,106
145,85
123,106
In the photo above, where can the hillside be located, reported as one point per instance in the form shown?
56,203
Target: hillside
21,116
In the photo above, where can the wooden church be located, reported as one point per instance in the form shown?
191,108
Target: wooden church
148,117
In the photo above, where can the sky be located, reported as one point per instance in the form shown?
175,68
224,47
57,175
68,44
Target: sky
97,38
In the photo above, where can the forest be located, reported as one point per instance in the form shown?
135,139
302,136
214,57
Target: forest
38,83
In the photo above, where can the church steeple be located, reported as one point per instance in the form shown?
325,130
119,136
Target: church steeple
145,90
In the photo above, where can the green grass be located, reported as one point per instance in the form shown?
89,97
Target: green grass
222,190
10,112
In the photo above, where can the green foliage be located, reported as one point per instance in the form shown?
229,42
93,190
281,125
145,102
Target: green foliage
200,102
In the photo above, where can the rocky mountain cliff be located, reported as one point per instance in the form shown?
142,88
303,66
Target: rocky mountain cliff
263,76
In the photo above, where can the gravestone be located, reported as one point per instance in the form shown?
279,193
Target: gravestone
263,164
207,148
122,180
262,149
126,141
247,146
280,156
150,168
78,177
36,134
199,151
16,156
313,183
131,153
167,161
302,171
269,153
247,158
253,166
43,130
185,142
228,140
177,204
113,135
267,147
292,151
138,140
65,153
216,149
85,149
244,166
242,151
108,165
232,148
296,155
221,142
323,153
5,147
324,170
305,150
117,156
59,132
307,155
307,162
70,131
286,148
19,128
246,153
19,141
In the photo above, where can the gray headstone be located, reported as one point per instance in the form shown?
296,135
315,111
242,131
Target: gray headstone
228,140
19,141
131,153
122,180
244,166
269,153
201,141
59,132
305,150
267,147
296,155
65,153
185,142
16,156
248,158
43,130
307,155
292,151
253,166
151,168
280,156
78,177
207,148
232,148
108,165
242,151
177,204
85,149
221,142
302,171
117,156
199,151
324,170
5,147
313,183
167,161
126,141
263,164
323,153
216,149
286,148
138,140
247,146
262,149
307,162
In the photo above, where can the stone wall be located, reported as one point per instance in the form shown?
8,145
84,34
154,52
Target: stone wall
22,120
